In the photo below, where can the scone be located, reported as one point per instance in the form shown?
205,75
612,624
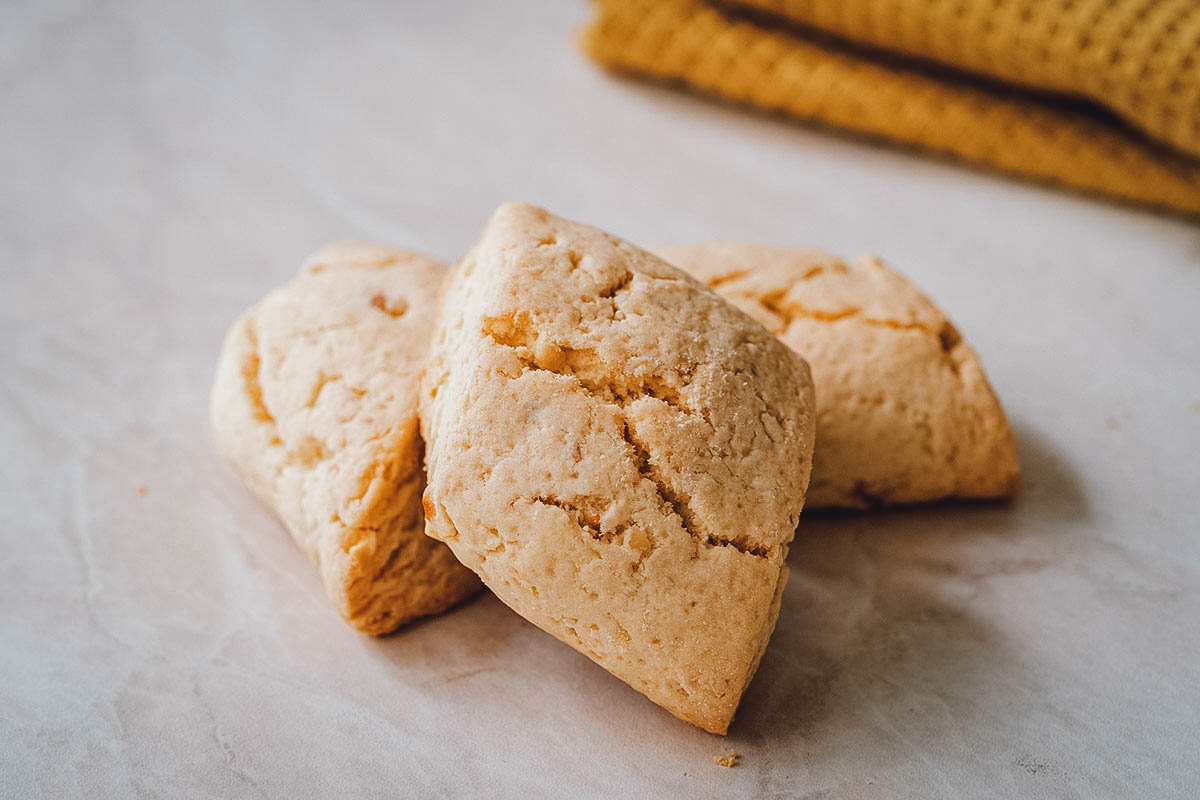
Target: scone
621,455
315,404
904,411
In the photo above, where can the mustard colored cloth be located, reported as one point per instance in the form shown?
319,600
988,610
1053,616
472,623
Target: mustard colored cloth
1139,57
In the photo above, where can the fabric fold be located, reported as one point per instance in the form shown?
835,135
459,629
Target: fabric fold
773,65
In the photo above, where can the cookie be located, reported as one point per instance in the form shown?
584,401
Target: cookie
315,405
904,411
621,455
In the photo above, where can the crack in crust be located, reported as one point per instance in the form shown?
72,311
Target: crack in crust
594,376
776,302
619,286
395,308
585,518
309,451
582,364
577,363
323,379
679,502
252,381
582,511
728,277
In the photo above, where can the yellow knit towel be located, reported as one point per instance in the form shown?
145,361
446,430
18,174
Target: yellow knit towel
1139,57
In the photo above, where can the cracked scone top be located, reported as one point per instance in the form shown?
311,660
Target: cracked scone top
621,455
904,411
315,405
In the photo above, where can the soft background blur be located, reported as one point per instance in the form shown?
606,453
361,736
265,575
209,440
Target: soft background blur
164,165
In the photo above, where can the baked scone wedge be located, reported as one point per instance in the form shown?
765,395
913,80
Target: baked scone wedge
905,413
315,405
621,455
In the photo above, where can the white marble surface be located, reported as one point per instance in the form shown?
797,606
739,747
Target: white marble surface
162,165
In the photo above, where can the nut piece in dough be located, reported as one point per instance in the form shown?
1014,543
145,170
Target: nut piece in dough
904,411
621,455
315,405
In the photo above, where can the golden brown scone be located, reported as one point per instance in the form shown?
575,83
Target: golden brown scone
904,411
315,405
621,455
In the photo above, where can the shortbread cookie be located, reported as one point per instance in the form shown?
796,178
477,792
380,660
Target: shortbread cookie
315,404
621,455
904,411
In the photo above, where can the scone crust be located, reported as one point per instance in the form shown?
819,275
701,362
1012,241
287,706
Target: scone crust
621,455
315,405
905,413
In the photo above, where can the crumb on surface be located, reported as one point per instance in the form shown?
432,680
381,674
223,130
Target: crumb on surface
730,759
142,489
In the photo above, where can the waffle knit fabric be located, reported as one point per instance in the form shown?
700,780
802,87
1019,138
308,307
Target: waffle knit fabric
1136,58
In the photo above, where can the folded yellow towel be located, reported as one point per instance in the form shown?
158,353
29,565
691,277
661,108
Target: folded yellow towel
1139,57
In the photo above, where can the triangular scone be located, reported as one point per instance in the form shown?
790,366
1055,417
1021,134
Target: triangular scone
315,404
904,411
621,455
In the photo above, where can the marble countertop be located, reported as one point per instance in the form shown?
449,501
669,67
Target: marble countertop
163,165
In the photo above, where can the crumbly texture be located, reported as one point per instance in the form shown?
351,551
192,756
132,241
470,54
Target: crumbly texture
315,405
730,759
621,455
904,411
